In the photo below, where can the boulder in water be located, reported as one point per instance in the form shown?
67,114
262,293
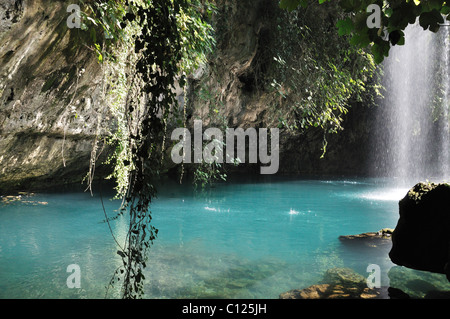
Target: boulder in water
370,239
421,239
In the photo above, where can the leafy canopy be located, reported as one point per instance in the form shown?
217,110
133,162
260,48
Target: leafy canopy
395,16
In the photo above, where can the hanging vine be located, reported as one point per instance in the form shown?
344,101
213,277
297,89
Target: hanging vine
158,46
168,39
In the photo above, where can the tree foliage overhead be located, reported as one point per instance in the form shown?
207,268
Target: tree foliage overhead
318,73
395,16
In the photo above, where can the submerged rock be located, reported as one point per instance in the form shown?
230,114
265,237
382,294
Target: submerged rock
418,284
344,283
22,197
337,283
344,276
327,291
421,239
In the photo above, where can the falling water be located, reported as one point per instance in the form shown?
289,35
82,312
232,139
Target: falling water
411,141
445,161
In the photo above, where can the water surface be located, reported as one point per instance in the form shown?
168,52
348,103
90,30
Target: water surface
240,239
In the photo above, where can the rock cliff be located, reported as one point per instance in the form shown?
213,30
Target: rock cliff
232,90
50,97
51,109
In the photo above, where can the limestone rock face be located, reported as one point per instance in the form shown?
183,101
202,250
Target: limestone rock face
232,84
50,105
11,12
421,239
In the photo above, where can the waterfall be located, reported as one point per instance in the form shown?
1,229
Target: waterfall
411,138
445,143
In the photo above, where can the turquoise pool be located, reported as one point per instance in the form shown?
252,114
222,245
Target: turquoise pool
240,239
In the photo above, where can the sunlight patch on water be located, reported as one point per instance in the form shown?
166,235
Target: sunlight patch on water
344,182
293,212
394,194
219,210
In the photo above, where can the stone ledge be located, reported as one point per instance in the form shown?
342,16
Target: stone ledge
371,239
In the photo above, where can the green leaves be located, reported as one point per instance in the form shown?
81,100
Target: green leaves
395,17
397,37
317,72
345,27
431,20
102,21
360,39
402,15
445,10
352,5
431,5
197,35
380,50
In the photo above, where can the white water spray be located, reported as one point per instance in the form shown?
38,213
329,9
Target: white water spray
412,138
